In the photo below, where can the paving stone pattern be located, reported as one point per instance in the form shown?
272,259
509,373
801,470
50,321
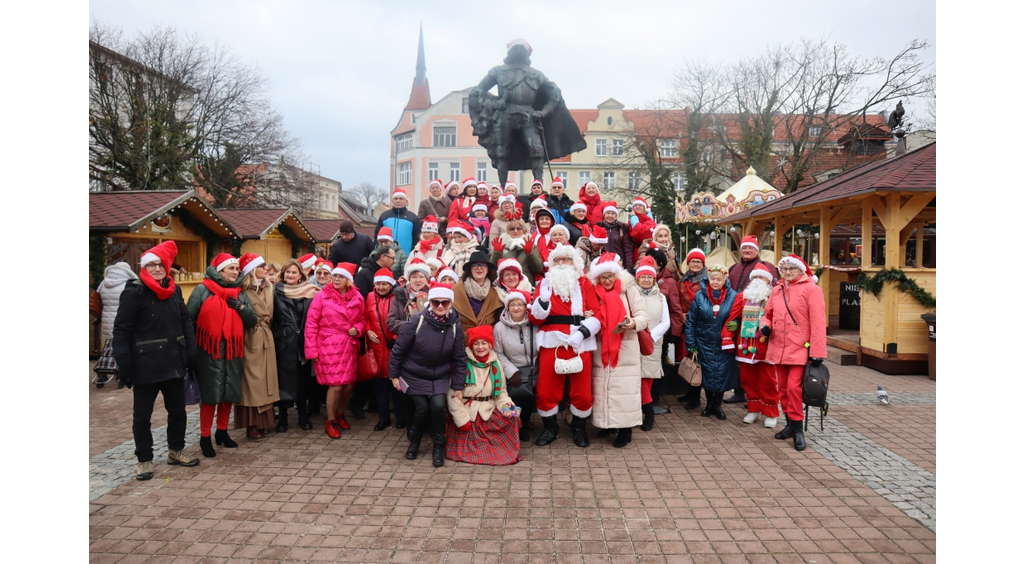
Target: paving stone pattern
872,399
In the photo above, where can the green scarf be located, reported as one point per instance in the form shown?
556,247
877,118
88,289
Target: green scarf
494,374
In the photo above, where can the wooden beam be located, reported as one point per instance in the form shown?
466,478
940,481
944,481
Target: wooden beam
892,231
779,231
824,251
914,206
865,234
878,206
918,247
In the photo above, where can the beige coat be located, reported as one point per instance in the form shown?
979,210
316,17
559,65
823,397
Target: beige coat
617,390
259,361
658,321
466,409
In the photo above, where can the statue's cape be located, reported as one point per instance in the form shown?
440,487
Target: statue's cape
561,135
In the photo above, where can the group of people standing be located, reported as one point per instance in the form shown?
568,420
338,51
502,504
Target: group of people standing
471,333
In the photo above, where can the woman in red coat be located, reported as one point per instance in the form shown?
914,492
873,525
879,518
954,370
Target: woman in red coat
462,207
794,319
378,304
590,196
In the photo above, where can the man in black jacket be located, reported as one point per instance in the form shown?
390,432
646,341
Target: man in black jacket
351,246
383,257
154,342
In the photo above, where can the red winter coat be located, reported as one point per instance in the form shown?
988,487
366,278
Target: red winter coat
670,289
807,324
595,207
330,317
461,209
377,309
643,230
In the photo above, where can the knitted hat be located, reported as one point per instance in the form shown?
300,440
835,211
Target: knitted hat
324,264
440,291
446,272
516,295
399,193
557,182
610,207
469,181
640,201
607,262
761,271
346,269
307,261
539,202
795,260
417,265
480,207
222,261
384,275
578,206
696,254
481,332
750,241
599,235
164,252
646,266
430,224
385,233
249,262
514,42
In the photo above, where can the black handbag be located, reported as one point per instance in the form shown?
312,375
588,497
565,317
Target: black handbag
192,395
815,387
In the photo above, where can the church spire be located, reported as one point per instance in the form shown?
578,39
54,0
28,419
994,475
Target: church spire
421,62
419,98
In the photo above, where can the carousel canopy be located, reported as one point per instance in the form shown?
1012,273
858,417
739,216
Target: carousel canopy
748,193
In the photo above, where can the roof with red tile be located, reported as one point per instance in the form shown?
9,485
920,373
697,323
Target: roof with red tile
257,223
324,230
129,210
419,97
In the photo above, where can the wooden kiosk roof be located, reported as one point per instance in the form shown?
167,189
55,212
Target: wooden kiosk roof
324,230
258,223
129,210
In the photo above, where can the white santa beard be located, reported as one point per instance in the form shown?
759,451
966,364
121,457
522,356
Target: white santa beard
563,279
757,290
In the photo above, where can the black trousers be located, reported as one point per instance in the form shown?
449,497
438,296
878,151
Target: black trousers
429,413
524,397
383,390
303,390
142,411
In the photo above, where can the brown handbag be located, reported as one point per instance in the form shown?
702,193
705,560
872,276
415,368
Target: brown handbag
689,370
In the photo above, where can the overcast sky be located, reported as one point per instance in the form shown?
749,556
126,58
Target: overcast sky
340,72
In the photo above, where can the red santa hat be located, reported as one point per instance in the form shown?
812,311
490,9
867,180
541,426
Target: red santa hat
795,260
578,206
469,182
585,186
638,201
384,275
516,295
539,202
434,263
163,253
536,182
511,188
417,265
324,264
607,262
480,333
696,253
610,207
346,269
750,241
557,181
519,41
399,193
385,233
446,272
510,198
435,181
222,261
646,266
307,261
479,207
457,226
509,264
249,262
453,184
599,235
441,291
430,224
761,271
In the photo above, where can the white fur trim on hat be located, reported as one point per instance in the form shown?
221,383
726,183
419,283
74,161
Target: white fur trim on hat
596,270
446,272
441,293
388,279
646,268
399,193
148,258
323,266
510,198
385,236
561,250
227,263
423,268
343,272
559,227
610,209
578,206
457,229
516,295
253,264
761,273
793,261
509,263
481,207
538,203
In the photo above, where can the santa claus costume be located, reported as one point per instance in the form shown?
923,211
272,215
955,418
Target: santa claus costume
757,376
566,334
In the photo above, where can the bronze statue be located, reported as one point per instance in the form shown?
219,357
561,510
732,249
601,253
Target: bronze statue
527,123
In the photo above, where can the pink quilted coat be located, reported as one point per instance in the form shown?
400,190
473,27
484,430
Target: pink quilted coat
807,303
330,317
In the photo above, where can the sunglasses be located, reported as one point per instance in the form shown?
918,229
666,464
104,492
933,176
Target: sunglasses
440,303
478,265
515,229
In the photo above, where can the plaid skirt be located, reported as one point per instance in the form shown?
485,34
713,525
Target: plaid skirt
106,363
494,442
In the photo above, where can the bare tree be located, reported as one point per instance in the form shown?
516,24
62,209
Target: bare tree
369,194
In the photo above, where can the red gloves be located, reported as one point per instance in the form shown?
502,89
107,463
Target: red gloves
498,245
528,246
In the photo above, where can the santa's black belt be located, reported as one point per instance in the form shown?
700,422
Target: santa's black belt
564,320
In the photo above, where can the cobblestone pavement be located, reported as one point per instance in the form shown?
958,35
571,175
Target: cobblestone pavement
693,489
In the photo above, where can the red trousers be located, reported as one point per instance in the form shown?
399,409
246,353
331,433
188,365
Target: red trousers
645,390
206,417
551,386
791,388
758,381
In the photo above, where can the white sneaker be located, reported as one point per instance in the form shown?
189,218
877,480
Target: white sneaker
752,417
770,422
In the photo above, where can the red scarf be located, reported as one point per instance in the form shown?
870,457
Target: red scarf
160,291
428,246
611,313
711,298
217,321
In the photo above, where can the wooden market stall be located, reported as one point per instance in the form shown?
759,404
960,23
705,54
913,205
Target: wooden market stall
275,234
123,225
325,232
892,205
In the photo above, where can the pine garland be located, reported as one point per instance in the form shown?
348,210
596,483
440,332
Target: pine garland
874,285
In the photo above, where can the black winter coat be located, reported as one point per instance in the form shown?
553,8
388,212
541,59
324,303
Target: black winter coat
619,242
560,207
152,338
354,251
575,227
431,359
289,329
363,279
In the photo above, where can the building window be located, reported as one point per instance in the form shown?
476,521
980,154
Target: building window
564,175
723,154
481,171
601,147
668,148
679,180
707,156
465,105
444,135
584,177
609,179
403,142
633,180
404,174
454,171
718,130
814,131
617,147
432,172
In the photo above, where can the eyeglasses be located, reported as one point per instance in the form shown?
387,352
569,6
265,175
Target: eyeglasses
479,265
788,269
440,303
155,265
335,276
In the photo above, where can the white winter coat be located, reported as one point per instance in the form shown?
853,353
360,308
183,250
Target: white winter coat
617,390
657,311
114,278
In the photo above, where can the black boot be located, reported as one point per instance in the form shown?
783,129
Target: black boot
415,434
282,419
693,399
606,432
550,430
222,438
524,432
709,408
207,447
787,433
438,457
718,406
304,423
624,438
579,431
648,410
798,436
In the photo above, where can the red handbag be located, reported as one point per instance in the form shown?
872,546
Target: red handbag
366,366
646,342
